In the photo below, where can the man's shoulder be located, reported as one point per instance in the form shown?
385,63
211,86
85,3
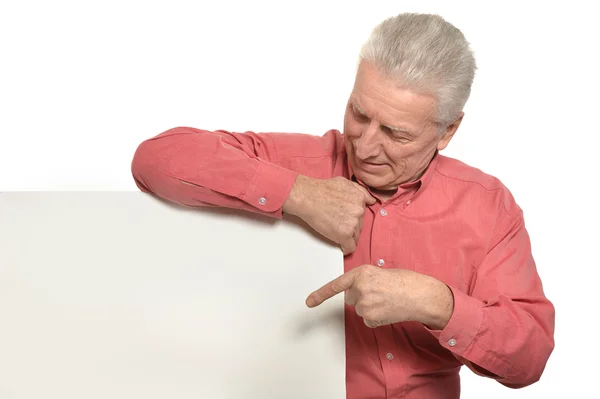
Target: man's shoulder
477,183
460,171
307,145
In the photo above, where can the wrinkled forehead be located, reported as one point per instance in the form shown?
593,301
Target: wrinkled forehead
388,102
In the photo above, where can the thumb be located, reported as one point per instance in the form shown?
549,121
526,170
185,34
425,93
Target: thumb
369,199
371,323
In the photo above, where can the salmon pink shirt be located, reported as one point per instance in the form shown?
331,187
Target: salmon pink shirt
456,224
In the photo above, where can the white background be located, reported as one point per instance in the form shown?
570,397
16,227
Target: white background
83,83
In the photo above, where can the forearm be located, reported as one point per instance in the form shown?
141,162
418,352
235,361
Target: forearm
212,169
436,303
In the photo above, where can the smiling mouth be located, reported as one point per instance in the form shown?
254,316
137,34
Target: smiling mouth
370,165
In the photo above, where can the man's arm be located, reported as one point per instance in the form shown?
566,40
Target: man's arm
195,167
265,173
503,328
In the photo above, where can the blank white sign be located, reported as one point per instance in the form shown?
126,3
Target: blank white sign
122,295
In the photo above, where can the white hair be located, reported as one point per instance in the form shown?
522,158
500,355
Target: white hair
426,54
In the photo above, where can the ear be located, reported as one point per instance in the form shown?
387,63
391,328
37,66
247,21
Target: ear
449,133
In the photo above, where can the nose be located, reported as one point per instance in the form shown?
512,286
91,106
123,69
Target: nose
367,146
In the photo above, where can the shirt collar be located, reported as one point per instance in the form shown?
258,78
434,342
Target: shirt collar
406,191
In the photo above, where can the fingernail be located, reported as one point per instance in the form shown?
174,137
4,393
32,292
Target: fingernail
310,302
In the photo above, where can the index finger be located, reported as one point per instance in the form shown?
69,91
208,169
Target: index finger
332,288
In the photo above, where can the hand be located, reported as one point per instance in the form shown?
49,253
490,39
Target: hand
387,296
333,207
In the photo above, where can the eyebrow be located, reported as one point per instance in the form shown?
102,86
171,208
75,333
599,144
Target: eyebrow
394,128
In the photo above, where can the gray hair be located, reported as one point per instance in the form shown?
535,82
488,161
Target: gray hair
427,54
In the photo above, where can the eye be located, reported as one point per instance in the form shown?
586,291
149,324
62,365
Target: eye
401,139
397,136
360,117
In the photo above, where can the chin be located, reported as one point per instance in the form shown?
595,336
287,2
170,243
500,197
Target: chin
371,180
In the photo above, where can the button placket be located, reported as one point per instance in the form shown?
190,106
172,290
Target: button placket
380,261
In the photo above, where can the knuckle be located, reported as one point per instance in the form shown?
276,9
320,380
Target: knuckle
368,322
351,246
348,230
372,324
364,270
368,270
362,289
369,313
345,237
336,287
358,309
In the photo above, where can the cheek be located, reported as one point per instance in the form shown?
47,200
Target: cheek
409,158
406,159
401,154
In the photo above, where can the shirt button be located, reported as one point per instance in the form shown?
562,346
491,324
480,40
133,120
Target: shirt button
382,212
262,201
389,356
452,342
380,262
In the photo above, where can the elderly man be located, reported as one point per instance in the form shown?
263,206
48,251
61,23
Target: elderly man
438,266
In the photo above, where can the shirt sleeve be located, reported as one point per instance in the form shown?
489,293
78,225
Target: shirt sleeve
200,168
504,328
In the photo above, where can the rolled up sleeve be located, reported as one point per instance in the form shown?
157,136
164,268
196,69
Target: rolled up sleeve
504,327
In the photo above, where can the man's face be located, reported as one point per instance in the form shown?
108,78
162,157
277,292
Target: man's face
389,134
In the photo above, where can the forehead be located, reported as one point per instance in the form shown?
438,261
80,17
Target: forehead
390,103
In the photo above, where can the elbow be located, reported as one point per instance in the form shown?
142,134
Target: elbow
144,165
521,381
535,353
533,371
155,159
148,157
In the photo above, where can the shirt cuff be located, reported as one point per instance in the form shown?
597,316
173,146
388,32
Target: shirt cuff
464,324
270,187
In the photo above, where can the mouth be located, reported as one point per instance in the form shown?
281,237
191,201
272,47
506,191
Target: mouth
370,165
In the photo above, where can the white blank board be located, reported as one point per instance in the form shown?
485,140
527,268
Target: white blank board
122,295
